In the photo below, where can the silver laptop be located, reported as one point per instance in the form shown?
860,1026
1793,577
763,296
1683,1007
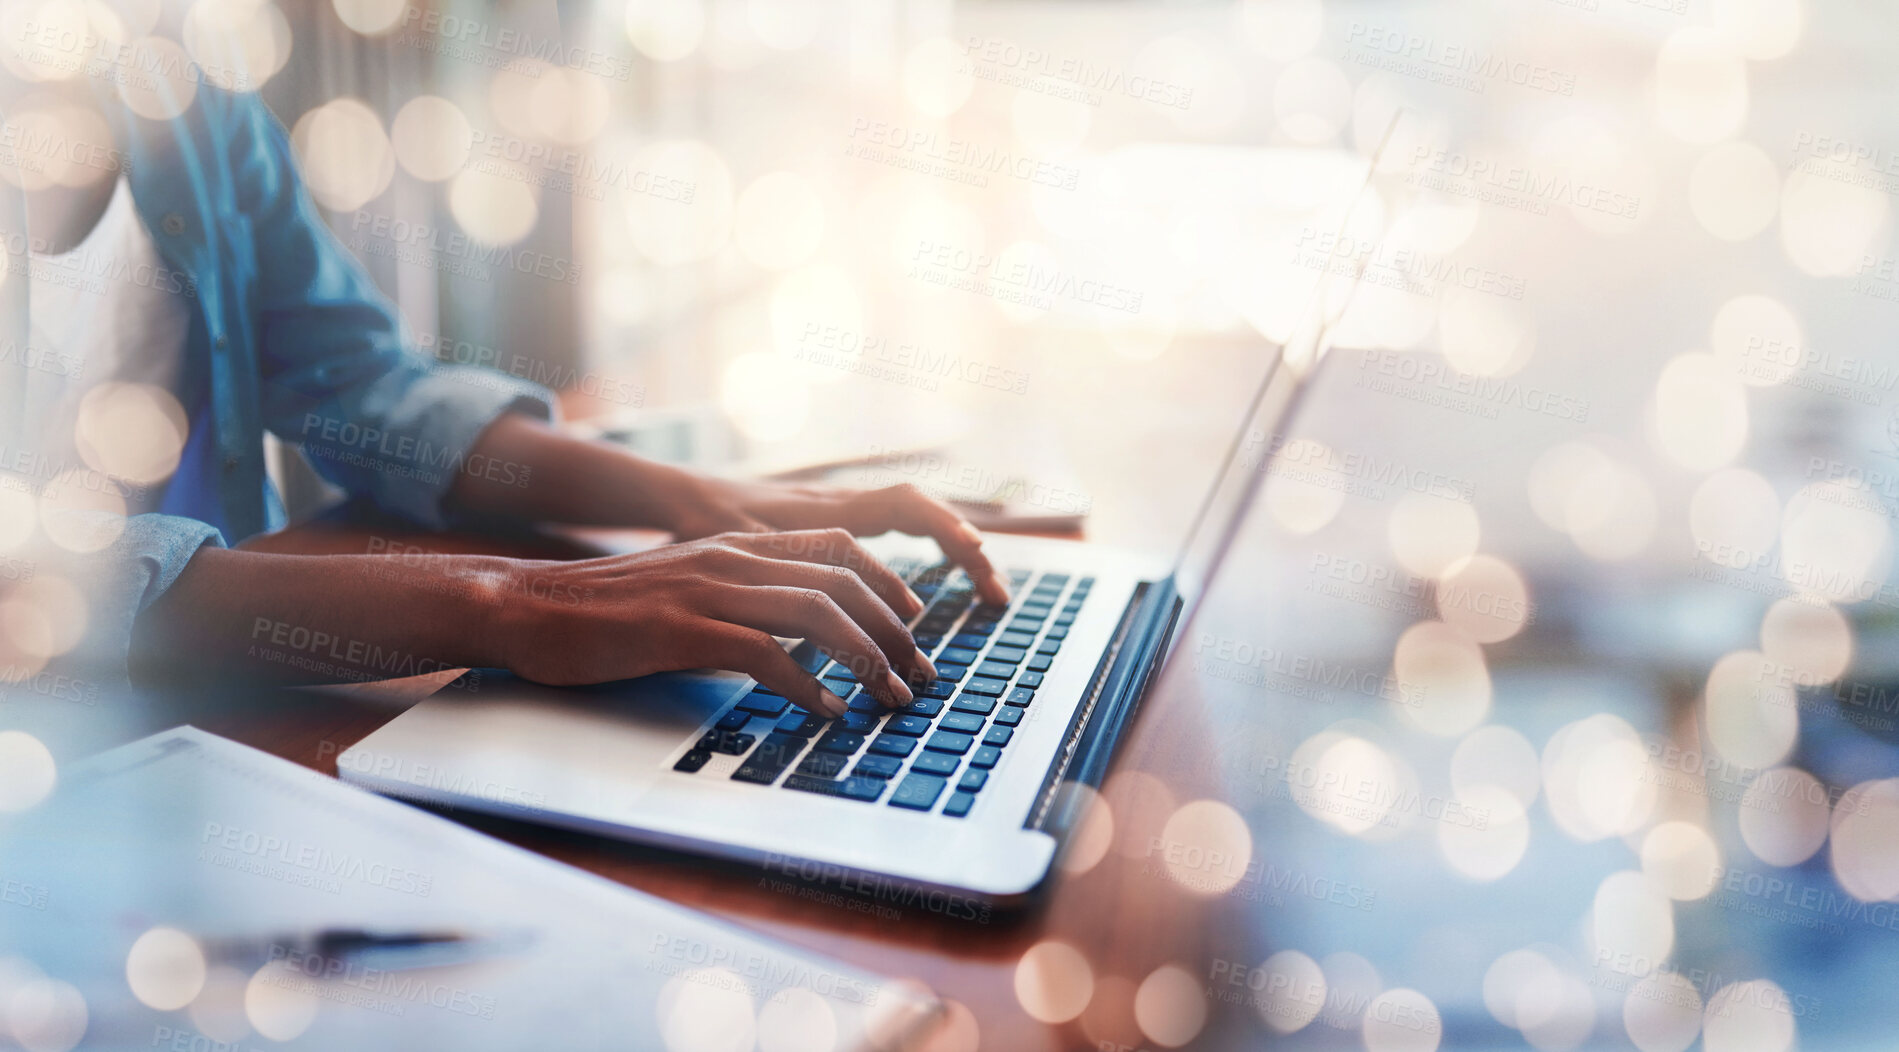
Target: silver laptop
967,790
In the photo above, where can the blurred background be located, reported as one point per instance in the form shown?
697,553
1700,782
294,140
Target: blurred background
1562,648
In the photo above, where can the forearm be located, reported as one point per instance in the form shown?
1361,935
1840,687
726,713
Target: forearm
329,618
558,478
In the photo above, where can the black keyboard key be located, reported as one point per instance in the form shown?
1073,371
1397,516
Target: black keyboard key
824,765
958,655
988,611
1009,717
986,686
875,766
1049,646
762,703
769,760
918,792
962,723
969,640
1020,696
985,757
893,745
843,688
950,673
952,742
937,688
840,673
936,763
980,626
998,736
974,703
1016,639
1066,617
1084,584
865,790
1026,624
733,721
973,780
693,760
865,703
809,657
801,724
1031,680
1033,610
996,669
844,743
858,722
959,804
1041,662
1059,579
908,726
730,743
1057,632
924,707
927,642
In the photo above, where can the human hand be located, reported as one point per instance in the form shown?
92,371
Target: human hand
716,603
720,505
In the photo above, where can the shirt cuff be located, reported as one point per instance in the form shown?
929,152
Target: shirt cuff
462,401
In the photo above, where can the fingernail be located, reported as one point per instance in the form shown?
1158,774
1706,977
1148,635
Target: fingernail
924,663
969,533
1002,586
916,602
833,705
898,688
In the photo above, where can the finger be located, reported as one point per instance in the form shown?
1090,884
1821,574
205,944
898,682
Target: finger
812,614
736,648
836,547
862,605
907,508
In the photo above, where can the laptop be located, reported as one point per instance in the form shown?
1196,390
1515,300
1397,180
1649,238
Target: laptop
969,790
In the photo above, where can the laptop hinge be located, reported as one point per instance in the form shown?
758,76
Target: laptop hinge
1108,709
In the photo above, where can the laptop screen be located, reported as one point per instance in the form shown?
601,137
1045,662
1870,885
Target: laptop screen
1288,369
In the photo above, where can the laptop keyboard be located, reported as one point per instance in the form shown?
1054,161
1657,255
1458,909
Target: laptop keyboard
935,754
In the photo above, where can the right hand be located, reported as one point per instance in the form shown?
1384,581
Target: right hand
717,603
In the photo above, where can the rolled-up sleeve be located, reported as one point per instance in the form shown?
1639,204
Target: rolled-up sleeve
372,414
123,578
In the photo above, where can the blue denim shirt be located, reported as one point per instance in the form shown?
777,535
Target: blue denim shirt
288,335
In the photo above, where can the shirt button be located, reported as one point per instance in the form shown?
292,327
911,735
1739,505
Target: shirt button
221,342
173,224
230,463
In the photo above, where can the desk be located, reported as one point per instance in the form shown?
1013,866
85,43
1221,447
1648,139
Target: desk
970,962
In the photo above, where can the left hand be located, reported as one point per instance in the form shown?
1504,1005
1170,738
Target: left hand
722,506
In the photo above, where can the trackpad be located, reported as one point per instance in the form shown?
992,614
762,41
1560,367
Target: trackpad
525,746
